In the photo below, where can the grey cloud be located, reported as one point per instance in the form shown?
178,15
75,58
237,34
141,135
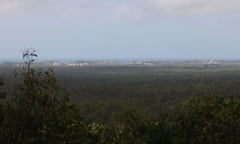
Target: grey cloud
115,9
47,7
195,6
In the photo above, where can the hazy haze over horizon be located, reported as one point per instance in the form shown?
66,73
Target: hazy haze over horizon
110,29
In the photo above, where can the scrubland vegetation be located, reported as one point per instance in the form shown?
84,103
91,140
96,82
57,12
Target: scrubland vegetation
120,105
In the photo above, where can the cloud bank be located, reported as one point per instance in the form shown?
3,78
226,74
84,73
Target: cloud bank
124,9
195,6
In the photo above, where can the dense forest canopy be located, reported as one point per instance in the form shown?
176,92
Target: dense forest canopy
119,105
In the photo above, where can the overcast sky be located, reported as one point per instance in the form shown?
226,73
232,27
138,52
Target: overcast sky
126,29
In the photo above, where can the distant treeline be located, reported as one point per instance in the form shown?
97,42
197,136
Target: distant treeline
117,106
153,91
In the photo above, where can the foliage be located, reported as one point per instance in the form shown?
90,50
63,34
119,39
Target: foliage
38,112
214,120
133,127
2,94
155,91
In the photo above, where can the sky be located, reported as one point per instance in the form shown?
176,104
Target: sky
121,29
